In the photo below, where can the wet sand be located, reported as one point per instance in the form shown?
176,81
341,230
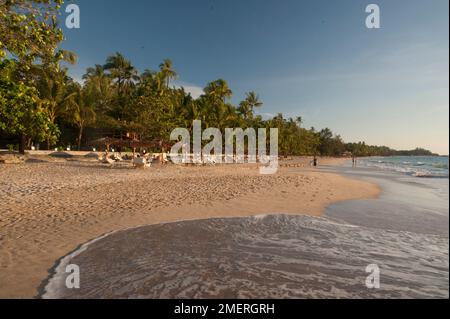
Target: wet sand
48,209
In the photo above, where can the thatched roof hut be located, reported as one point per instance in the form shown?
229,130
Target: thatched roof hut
131,143
105,141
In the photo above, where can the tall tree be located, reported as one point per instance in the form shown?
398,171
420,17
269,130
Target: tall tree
22,112
52,87
94,72
52,84
121,71
218,90
101,88
167,72
29,33
81,109
246,107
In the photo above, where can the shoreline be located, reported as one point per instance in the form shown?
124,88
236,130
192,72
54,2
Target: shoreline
35,234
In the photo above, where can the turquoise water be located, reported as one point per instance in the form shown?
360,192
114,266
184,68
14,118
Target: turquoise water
418,166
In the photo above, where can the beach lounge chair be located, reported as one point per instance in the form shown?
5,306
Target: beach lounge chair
105,159
140,162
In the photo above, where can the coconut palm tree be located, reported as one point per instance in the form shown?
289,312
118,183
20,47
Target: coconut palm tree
167,72
218,90
96,71
101,88
253,100
81,111
52,86
121,71
147,76
246,107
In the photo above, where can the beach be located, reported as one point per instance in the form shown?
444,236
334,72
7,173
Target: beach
49,207
403,233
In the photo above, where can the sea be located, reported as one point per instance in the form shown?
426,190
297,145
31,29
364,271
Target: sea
399,240
418,166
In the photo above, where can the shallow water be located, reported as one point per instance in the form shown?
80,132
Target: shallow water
258,257
406,203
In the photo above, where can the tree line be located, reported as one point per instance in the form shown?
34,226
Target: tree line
40,102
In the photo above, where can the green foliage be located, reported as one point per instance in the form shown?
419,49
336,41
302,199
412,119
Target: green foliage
12,147
361,149
22,112
31,95
29,30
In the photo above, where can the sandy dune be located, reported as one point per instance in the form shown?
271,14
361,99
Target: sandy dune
47,209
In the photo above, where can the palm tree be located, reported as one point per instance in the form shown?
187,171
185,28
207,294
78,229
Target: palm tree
52,89
81,109
97,71
253,100
121,71
167,71
101,88
218,90
147,76
247,106
52,86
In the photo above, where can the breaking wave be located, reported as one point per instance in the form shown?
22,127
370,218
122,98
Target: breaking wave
417,166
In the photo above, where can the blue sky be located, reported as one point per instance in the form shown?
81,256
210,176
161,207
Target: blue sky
313,58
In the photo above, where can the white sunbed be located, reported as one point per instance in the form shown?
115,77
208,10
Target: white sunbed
141,162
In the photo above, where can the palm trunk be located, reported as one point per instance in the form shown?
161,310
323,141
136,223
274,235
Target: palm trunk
80,135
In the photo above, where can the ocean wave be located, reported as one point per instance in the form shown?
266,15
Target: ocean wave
419,164
426,167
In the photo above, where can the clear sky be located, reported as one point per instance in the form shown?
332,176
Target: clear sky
313,58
